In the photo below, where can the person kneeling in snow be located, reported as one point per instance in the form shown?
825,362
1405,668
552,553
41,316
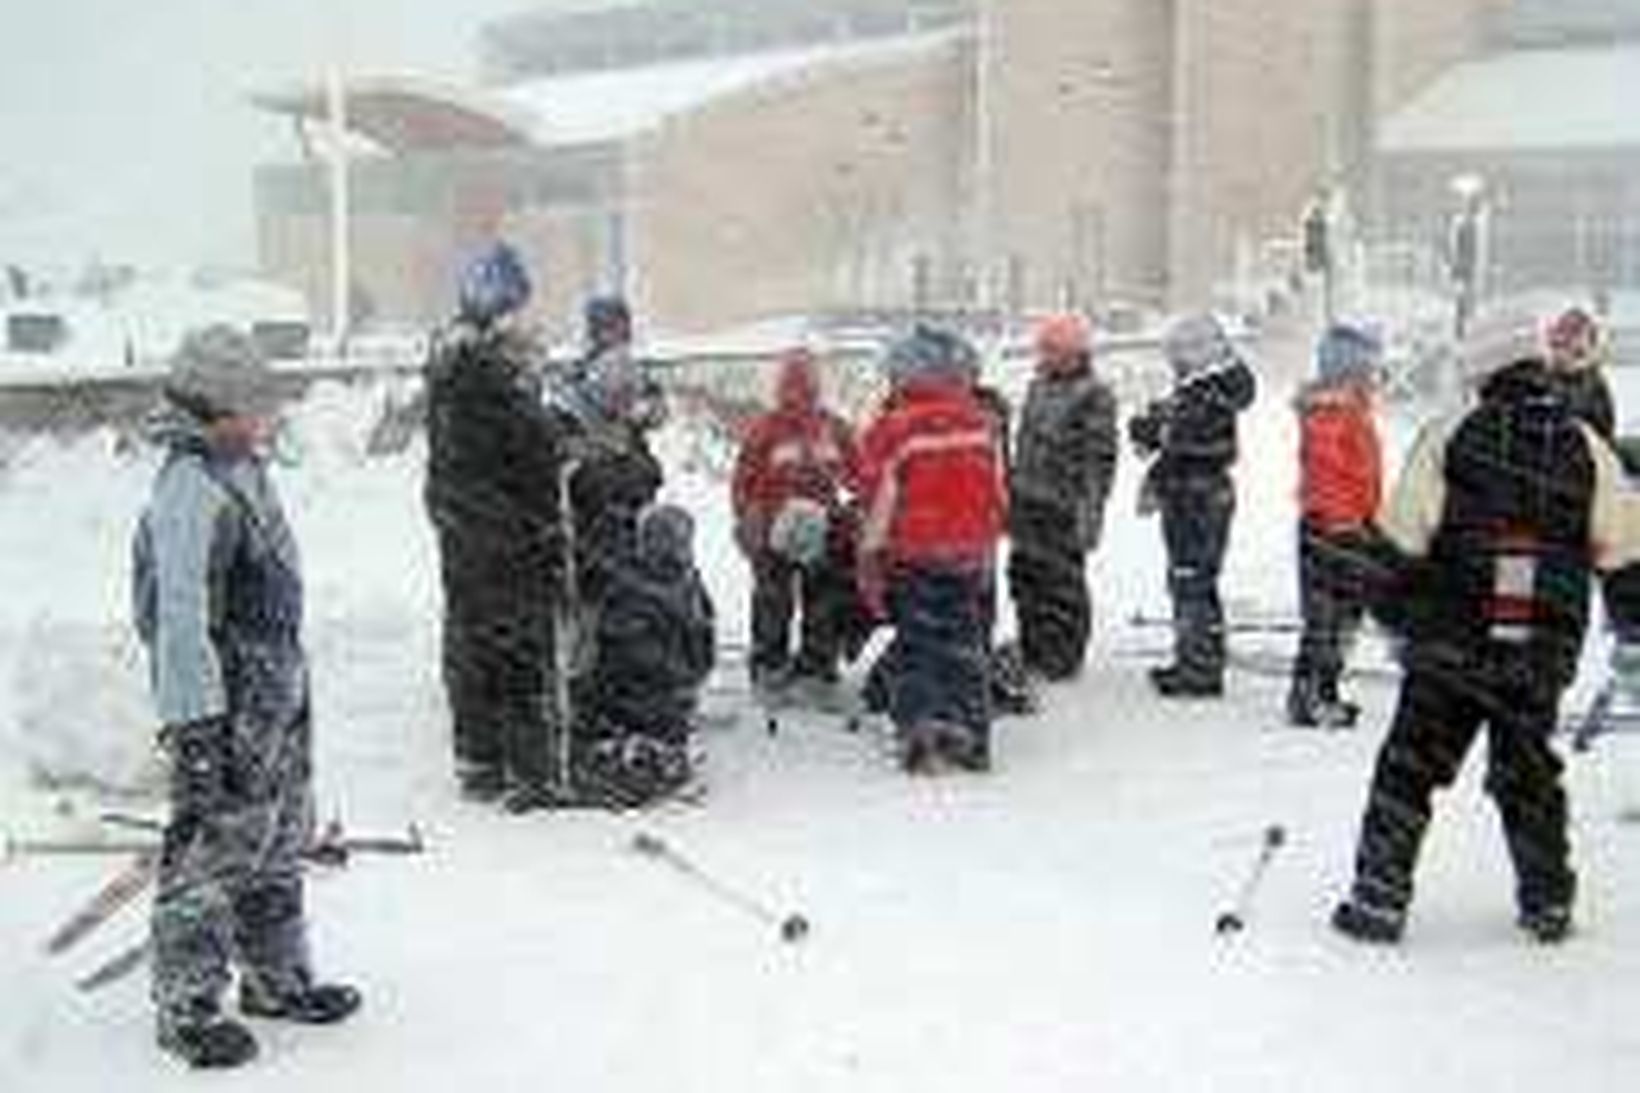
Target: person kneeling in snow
935,508
792,490
1494,528
1340,488
217,594
655,646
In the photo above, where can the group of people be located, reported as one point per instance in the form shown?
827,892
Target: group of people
578,632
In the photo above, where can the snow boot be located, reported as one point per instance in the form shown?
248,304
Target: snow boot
1547,925
213,1044
308,1004
481,783
1182,681
1364,922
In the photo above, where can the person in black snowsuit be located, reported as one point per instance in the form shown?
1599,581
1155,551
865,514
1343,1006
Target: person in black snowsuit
1060,480
655,649
1192,436
492,491
1494,529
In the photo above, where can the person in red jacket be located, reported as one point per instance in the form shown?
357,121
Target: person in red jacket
934,510
1340,490
793,486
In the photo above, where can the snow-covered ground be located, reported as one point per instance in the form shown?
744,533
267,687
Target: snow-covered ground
1046,928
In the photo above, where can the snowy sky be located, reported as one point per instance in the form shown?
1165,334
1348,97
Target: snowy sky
124,123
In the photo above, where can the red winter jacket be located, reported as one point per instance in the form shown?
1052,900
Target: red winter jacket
798,450
931,480
1341,460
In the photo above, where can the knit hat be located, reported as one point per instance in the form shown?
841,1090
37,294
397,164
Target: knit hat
1501,339
608,321
666,535
1196,344
1348,353
930,353
797,387
494,284
218,372
1067,336
1576,342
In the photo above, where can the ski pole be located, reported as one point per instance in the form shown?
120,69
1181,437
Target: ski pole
793,928
1234,920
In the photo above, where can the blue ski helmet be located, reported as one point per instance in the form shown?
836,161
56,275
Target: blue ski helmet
494,284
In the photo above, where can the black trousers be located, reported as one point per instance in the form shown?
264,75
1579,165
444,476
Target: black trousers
1334,573
497,653
781,590
1196,516
1047,575
1443,707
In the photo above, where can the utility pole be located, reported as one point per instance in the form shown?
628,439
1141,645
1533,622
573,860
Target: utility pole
341,254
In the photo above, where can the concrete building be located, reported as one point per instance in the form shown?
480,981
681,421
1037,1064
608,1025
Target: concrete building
731,160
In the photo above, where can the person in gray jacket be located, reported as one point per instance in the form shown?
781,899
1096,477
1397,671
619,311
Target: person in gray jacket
218,602
1059,483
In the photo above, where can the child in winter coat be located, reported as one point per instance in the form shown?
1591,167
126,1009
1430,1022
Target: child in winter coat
935,509
1059,482
655,648
793,489
1502,518
1340,487
1191,435
217,592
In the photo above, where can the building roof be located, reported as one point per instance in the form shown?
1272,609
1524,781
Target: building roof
409,114
1524,101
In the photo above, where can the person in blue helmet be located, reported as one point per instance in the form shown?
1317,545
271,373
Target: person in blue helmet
492,492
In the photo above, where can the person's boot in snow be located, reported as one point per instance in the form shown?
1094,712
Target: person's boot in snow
482,783
1366,922
1548,925
1183,681
307,1003
207,1042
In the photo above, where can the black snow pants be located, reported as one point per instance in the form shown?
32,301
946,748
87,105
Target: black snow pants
1047,575
1196,513
1443,707
939,669
1334,578
820,594
498,653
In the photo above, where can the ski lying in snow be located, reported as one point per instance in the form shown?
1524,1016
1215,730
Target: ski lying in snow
334,849
121,890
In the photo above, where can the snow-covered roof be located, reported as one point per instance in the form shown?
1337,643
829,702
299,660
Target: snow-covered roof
620,103
405,114
1524,101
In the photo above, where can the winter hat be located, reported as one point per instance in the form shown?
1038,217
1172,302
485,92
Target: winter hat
1197,344
218,372
608,321
1501,339
798,388
929,353
799,532
666,534
1348,353
610,384
1067,336
1576,342
493,285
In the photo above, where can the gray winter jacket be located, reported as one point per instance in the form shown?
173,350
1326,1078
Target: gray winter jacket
1065,458
217,589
